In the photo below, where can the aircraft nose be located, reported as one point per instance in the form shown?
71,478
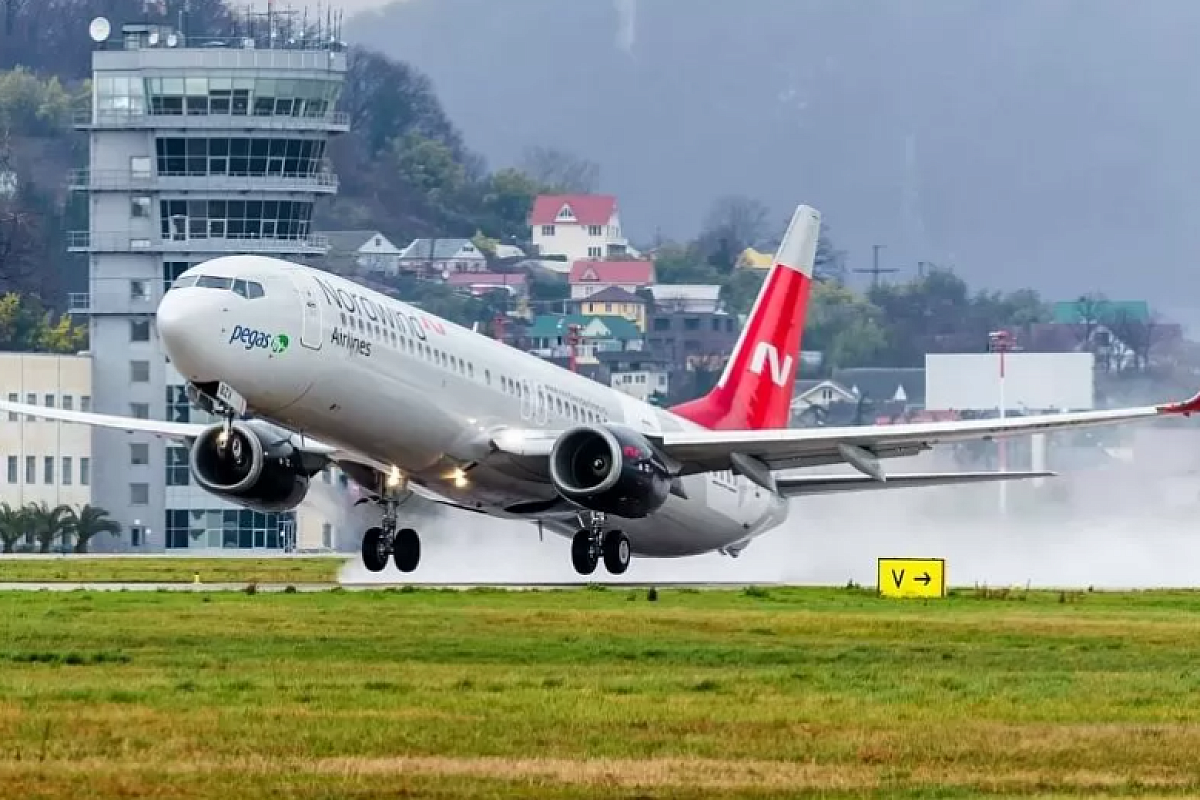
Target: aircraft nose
183,318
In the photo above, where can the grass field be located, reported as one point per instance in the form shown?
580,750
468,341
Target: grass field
594,693
142,569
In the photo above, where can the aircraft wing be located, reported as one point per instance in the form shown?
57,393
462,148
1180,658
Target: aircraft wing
758,453
805,485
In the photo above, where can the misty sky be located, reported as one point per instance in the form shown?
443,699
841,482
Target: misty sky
1030,142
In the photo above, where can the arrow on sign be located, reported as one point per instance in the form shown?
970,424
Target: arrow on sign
922,578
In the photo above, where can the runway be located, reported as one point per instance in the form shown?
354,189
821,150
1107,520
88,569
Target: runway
63,586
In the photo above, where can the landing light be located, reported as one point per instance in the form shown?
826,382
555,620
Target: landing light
394,478
459,477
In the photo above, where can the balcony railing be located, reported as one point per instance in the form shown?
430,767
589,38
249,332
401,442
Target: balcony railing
337,121
127,242
325,182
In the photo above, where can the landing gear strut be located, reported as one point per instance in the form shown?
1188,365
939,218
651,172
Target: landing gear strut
591,544
387,540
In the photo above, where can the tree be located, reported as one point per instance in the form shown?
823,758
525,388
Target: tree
26,325
505,200
559,171
734,223
19,244
844,326
49,523
87,523
829,264
13,526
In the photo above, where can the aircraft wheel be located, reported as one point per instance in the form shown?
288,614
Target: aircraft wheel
616,552
583,553
406,549
374,550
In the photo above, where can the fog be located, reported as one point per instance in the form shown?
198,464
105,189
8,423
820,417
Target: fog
1108,522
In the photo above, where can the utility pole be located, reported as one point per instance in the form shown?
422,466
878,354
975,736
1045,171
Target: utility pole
875,271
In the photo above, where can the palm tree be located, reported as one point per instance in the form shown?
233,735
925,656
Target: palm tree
48,524
88,522
14,523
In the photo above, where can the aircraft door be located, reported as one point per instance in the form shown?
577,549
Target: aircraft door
310,326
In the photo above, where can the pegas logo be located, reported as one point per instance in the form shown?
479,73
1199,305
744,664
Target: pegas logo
251,339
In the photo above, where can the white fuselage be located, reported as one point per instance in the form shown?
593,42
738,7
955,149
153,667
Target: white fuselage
376,376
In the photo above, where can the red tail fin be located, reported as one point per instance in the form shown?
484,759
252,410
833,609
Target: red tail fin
755,391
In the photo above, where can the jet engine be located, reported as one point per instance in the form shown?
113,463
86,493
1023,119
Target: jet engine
251,467
610,469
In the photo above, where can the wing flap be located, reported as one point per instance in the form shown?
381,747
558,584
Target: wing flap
803,485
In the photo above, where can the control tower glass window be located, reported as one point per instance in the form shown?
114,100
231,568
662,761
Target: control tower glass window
241,96
239,156
235,219
119,95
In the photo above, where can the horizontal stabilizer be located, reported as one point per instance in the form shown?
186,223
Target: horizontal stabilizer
798,485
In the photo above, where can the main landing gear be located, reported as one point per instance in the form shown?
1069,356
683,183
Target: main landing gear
591,544
386,540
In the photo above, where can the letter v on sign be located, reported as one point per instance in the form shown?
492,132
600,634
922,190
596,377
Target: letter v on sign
897,578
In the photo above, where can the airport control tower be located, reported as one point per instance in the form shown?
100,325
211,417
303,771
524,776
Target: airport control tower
198,148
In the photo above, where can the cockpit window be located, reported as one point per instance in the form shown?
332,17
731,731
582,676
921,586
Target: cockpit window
247,289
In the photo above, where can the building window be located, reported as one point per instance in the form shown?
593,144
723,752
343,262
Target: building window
139,494
326,536
48,470
139,371
178,406
30,470
140,166
139,410
85,471
68,402
235,219
49,401
547,230
177,466
262,97
172,270
139,331
85,403
13,475
139,207
13,397
595,252
227,528
691,324
139,453
240,156
66,471
139,291
595,230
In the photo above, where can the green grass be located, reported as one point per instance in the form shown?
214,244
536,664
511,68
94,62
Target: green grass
777,693
141,569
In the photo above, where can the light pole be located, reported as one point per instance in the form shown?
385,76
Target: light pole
1000,342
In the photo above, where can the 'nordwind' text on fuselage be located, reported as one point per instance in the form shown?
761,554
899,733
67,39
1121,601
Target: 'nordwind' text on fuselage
359,311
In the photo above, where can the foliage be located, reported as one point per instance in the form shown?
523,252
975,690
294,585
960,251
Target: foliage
25,325
559,171
13,525
48,524
88,522
31,106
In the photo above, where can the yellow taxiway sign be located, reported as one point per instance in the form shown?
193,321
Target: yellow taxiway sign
912,577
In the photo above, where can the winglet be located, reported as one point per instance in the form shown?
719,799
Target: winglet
1186,408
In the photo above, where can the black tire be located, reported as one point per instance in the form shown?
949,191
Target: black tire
616,552
406,549
582,557
374,556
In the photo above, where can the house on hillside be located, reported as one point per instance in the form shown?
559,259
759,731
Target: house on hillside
902,386
690,297
443,257
360,251
692,339
515,284
589,277
551,336
753,259
578,226
1123,335
614,300
637,373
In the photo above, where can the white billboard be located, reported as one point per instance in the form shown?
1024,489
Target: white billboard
1032,381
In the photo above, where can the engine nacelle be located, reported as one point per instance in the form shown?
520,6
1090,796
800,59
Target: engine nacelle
611,469
255,469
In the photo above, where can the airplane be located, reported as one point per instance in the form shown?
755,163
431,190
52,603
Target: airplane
307,370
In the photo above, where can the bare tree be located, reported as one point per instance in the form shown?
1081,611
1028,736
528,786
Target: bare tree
560,171
1089,315
1137,335
18,245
